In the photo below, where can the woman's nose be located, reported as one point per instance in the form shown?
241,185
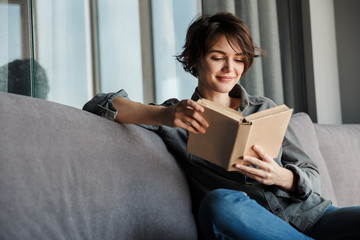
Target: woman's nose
228,66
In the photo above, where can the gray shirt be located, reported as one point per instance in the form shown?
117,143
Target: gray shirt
301,208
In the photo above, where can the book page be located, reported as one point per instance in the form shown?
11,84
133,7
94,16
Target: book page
267,112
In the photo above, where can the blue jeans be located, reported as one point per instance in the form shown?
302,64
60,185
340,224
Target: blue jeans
229,214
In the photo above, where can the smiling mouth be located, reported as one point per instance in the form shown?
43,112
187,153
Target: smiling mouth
225,78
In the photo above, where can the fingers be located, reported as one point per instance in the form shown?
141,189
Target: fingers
254,173
257,174
193,105
188,115
255,162
266,167
261,153
190,124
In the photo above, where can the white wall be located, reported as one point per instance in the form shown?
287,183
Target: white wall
324,60
347,20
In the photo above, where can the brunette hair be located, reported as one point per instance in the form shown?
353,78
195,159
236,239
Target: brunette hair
203,33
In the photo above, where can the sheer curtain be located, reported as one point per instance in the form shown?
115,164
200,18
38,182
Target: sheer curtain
120,47
275,27
170,20
62,49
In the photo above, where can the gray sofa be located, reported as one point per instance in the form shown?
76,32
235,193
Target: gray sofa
68,174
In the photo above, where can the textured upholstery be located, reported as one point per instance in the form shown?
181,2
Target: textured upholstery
68,174
340,146
304,129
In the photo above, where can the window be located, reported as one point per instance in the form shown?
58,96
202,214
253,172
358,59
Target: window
120,47
63,49
16,63
74,49
170,22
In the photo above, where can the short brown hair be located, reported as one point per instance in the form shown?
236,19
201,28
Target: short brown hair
203,33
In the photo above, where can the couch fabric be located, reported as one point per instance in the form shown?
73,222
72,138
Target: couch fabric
340,147
68,174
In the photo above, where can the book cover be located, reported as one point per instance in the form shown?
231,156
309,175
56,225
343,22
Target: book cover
231,135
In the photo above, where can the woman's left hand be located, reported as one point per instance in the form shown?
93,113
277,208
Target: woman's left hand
269,172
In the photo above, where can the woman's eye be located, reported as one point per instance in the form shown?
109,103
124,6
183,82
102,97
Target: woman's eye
239,60
216,58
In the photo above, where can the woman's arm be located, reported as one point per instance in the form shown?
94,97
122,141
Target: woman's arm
186,114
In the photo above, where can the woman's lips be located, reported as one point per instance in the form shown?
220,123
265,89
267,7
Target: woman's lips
225,78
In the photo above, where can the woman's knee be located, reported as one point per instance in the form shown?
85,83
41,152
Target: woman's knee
221,202
223,197
223,212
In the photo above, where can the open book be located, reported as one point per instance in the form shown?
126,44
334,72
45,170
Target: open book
231,135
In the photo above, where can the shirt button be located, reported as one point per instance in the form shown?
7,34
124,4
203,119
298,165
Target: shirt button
277,210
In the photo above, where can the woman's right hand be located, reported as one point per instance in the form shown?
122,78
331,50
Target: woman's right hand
186,114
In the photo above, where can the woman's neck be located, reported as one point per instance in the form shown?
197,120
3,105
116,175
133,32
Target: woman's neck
222,98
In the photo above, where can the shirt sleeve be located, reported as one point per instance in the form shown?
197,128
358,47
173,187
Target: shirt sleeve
102,104
305,169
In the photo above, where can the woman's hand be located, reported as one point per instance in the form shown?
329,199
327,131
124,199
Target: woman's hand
269,172
186,114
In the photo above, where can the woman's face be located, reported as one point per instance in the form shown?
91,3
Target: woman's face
220,69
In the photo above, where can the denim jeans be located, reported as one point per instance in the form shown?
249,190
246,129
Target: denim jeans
229,214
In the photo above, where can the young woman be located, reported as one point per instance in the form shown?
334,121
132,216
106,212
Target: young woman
280,198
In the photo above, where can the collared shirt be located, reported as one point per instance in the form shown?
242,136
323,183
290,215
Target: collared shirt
301,208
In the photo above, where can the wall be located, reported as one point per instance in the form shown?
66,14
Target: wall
347,20
320,28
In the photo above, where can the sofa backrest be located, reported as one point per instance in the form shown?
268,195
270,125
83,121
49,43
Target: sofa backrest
340,146
305,131
68,174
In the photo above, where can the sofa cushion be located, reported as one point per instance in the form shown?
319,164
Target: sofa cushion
68,174
304,129
340,146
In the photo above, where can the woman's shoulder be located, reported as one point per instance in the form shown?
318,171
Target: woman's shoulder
261,100
250,100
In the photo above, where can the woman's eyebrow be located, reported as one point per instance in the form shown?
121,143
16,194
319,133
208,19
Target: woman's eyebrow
216,51
222,52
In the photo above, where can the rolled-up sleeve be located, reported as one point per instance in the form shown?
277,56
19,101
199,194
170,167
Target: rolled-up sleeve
102,104
305,169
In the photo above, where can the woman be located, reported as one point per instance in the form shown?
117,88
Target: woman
279,199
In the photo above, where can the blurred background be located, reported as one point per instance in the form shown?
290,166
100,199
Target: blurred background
66,51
